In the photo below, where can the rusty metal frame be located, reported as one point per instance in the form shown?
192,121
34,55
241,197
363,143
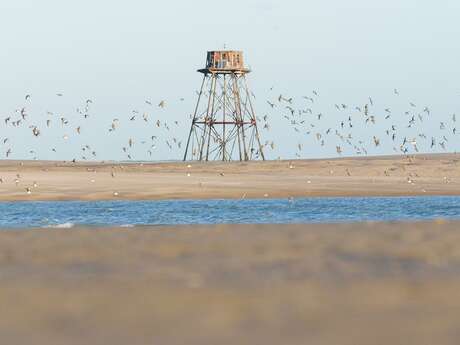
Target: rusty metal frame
225,127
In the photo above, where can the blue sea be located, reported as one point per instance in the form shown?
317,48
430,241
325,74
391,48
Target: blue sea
171,212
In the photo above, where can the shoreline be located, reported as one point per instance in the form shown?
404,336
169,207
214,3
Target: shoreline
161,199
84,199
193,226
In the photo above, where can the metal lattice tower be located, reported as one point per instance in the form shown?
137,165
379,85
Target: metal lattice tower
224,125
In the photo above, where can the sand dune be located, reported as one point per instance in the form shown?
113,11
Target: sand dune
232,284
388,175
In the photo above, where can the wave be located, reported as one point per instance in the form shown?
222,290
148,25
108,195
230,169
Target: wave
61,226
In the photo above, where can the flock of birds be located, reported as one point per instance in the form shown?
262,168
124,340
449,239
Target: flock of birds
344,129
68,127
358,129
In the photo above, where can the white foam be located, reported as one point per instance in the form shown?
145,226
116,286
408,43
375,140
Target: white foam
127,226
61,226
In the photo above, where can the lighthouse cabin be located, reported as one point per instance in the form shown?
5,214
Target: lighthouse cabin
225,60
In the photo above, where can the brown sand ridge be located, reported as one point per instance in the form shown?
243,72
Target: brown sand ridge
322,284
370,176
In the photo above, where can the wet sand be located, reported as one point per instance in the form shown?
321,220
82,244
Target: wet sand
370,176
342,284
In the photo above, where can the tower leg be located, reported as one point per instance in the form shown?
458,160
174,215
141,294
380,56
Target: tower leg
211,123
253,119
192,128
224,139
206,120
240,119
236,114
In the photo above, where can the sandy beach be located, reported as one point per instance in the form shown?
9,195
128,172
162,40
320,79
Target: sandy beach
363,283
371,176
343,284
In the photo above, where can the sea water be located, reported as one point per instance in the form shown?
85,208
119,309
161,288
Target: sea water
66,214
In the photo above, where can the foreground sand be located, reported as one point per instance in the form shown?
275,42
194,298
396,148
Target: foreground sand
392,175
243,284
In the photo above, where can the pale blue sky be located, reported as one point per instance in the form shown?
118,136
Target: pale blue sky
120,53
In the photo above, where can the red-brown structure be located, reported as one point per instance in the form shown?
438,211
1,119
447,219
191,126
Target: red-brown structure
224,125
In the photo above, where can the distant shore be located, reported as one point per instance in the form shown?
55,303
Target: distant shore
364,283
433,174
